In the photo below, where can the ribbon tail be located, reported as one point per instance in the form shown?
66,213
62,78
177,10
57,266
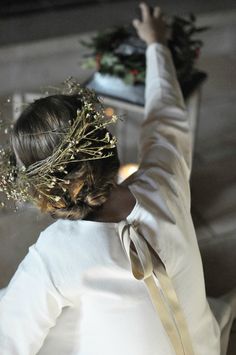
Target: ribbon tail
164,314
174,306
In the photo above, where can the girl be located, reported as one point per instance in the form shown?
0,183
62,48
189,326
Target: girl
120,271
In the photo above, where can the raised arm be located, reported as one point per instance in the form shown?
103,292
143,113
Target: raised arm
165,136
29,308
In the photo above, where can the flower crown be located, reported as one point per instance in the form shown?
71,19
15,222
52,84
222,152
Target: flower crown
79,140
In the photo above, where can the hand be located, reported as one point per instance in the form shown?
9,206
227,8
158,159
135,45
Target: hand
152,28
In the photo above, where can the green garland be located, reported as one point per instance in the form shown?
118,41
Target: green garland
119,52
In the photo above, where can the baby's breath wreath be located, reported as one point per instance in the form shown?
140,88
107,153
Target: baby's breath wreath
79,143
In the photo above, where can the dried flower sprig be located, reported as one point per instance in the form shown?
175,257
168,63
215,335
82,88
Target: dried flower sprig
49,177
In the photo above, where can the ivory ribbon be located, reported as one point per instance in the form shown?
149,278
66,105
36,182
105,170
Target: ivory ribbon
147,266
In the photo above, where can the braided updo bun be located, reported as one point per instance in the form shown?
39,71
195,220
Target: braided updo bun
36,134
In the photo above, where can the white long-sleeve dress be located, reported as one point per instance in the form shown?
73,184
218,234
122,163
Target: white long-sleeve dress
78,276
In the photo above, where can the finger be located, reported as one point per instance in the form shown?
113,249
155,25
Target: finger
145,11
136,23
157,11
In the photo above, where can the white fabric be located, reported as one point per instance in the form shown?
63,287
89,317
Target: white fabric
78,276
224,315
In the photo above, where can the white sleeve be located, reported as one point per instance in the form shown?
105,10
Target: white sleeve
165,135
29,307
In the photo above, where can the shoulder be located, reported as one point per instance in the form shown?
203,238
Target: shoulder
60,248
58,226
63,236
68,248
56,235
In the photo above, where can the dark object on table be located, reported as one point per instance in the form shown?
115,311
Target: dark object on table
120,53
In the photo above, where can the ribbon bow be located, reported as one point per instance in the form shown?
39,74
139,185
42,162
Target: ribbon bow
145,267
137,250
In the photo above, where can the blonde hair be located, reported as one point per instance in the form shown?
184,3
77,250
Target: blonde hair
88,183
